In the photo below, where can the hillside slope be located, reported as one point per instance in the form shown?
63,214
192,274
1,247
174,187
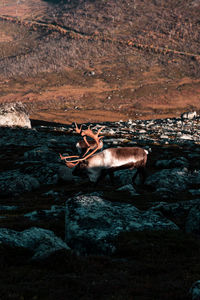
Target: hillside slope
74,60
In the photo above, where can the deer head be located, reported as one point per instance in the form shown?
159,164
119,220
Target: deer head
84,133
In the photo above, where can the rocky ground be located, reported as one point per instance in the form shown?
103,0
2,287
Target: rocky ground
62,237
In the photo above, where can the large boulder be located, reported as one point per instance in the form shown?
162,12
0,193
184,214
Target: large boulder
41,241
186,213
14,114
92,223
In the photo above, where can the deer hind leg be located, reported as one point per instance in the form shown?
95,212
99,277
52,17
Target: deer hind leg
142,174
101,176
112,177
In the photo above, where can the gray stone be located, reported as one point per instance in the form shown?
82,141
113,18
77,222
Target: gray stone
41,241
186,137
92,223
189,115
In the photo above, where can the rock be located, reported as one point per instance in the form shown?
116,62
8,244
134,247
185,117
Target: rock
192,224
195,290
55,212
13,183
6,207
92,223
14,114
128,188
194,192
45,174
164,136
41,241
189,115
195,178
124,177
42,154
188,137
172,179
177,162
65,173
181,212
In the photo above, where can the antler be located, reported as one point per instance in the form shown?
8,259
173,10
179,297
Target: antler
69,163
90,133
78,130
84,133
95,137
84,157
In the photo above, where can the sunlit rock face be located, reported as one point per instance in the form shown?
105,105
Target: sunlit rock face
14,114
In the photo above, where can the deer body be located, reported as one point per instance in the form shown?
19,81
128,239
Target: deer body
111,160
98,165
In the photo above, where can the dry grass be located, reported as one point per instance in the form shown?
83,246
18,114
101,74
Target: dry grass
49,61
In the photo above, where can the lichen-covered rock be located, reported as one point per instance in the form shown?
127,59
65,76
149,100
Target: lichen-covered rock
172,179
13,183
41,241
92,222
14,114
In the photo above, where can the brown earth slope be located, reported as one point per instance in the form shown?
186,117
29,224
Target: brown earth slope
100,60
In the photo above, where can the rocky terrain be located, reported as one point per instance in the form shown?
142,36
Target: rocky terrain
62,237
95,62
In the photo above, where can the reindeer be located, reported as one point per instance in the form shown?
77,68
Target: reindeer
97,165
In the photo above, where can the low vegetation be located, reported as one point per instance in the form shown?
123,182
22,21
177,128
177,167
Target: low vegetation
135,57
